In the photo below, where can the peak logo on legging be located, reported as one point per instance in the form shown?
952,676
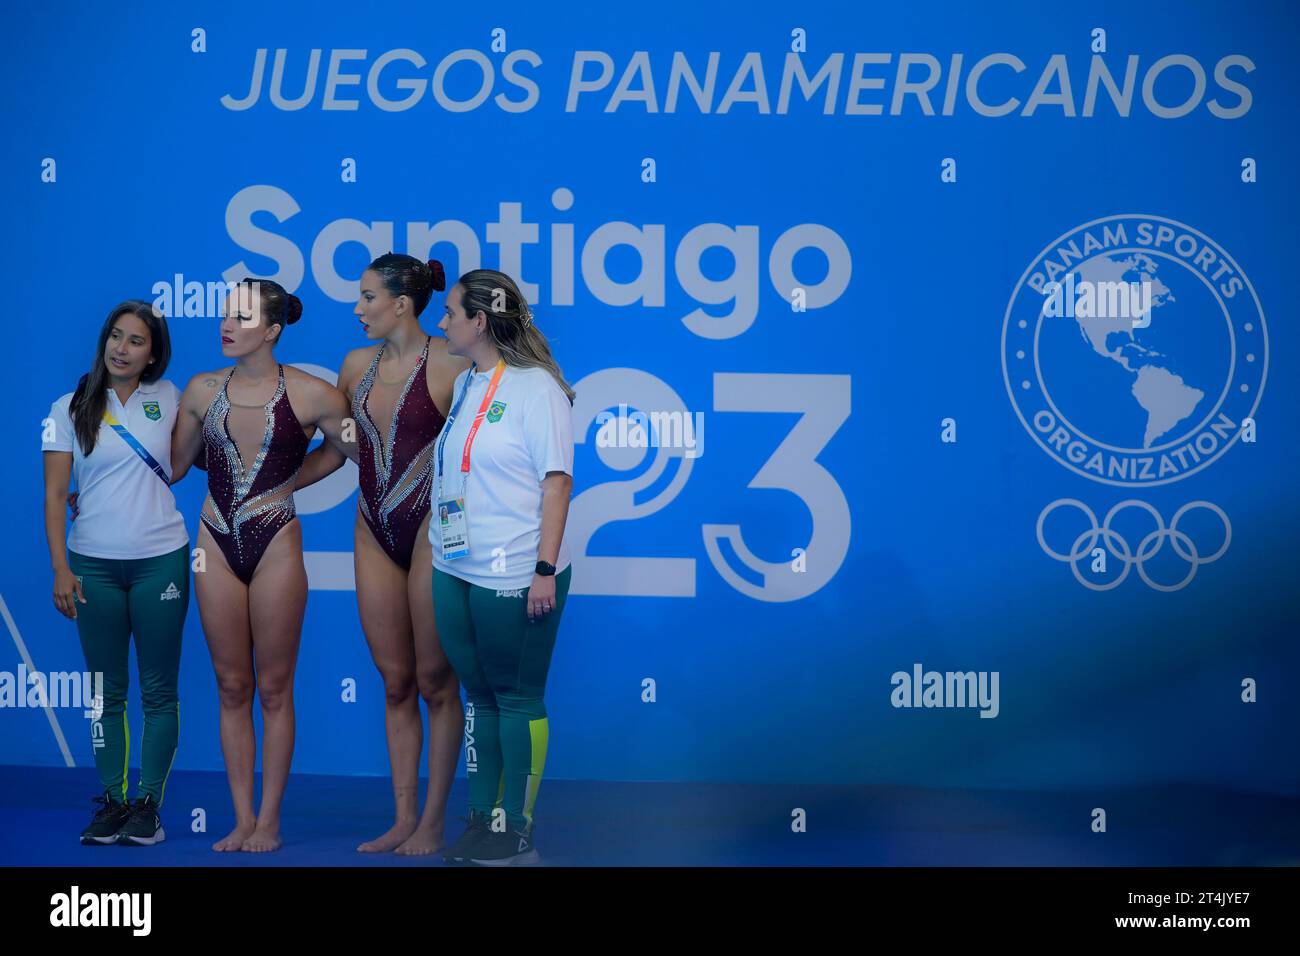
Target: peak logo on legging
471,752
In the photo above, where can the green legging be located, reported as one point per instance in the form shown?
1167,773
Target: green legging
501,659
147,597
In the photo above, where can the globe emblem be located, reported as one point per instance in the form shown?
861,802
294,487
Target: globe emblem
1133,348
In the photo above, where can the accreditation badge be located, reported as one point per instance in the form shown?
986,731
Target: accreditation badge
453,528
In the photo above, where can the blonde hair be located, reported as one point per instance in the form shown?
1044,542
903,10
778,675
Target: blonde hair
510,325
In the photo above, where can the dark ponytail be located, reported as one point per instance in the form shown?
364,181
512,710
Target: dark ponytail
408,276
279,306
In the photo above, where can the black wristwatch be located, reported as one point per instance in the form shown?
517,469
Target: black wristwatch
545,568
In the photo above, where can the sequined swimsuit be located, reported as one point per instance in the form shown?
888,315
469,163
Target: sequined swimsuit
251,506
396,482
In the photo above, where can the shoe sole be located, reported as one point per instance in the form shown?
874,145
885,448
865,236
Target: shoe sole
98,841
457,860
528,858
158,837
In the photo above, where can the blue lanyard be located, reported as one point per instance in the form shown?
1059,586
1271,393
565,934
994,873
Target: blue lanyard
455,410
136,446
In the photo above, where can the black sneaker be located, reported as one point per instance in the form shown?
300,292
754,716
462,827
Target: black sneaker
511,848
477,827
143,827
108,819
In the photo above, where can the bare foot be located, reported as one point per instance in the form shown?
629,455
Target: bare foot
234,840
391,840
264,839
425,840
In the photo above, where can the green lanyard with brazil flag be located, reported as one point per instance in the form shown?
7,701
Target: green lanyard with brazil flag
453,523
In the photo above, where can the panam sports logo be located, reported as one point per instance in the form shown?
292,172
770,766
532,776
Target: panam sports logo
1135,400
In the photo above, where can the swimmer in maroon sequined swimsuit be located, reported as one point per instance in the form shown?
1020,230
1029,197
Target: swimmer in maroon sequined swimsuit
251,505
396,481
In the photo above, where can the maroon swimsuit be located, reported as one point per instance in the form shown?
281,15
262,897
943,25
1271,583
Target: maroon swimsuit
251,505
397,481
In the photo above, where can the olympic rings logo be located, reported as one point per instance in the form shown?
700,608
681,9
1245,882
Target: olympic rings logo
1148,548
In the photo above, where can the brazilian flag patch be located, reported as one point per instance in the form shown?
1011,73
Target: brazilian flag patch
152,411
495,411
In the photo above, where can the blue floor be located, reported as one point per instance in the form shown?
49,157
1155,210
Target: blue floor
661,824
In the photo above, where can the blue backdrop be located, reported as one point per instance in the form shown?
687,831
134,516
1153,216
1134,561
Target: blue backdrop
831,257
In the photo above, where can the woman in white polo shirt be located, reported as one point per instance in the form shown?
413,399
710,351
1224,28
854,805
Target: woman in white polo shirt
503,474
125,571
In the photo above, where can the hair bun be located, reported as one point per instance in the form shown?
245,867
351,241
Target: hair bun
439,276
294,309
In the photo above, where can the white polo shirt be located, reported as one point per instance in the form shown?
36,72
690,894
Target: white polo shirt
527,432
124,511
